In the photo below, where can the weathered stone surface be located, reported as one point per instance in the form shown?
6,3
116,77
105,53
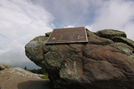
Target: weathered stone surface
2,66
110,33
17,78
92,65
94,39
124,40
123,48
34,49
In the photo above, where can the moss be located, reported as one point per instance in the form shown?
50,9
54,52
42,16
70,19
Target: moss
129,41
110,41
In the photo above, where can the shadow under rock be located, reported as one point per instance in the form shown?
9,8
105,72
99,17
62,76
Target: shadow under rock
35,84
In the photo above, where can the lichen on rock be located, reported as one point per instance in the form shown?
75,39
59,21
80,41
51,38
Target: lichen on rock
110,33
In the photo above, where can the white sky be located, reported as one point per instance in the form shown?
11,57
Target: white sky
22,20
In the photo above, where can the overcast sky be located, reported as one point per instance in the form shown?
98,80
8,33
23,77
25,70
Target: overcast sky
22,20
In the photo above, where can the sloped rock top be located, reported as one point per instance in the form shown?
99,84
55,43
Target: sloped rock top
109,33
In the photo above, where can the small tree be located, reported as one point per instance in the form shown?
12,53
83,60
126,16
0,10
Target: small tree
25,68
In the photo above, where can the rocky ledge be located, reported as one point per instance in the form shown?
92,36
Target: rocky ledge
18,78
105,62
2,67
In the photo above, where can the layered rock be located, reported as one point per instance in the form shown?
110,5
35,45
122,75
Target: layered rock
110,33
102,63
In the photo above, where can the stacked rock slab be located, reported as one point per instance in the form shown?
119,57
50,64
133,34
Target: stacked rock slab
102,63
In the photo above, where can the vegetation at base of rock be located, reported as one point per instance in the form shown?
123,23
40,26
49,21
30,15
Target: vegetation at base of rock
39,71
44,77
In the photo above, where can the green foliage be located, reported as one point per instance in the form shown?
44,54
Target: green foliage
25,68
38,71
44,77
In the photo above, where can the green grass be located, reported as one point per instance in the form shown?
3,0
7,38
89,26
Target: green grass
44,77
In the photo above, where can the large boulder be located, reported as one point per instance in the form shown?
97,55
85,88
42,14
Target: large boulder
97,64
18,78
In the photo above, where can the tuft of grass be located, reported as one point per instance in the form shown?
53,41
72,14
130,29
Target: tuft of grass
44,77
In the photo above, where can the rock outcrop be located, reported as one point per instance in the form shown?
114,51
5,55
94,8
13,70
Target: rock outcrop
110,33
18,78
102,63
2,67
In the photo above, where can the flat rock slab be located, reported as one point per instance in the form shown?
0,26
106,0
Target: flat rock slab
110,33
